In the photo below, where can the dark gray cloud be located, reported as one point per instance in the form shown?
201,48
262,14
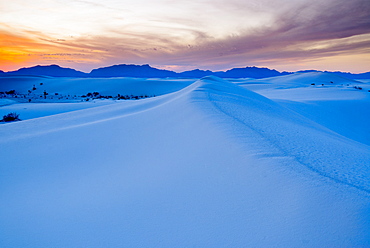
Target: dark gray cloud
292,34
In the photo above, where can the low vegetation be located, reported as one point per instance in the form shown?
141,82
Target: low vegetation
10,117
96,95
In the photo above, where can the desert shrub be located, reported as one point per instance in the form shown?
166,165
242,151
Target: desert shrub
10,92
10,117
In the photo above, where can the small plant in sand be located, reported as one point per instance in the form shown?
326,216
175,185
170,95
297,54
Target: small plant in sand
10,117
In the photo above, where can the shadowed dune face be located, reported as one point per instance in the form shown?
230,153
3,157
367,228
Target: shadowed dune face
284,130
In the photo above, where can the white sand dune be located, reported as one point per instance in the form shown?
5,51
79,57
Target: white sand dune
297,80
338,105
81,86
211,164
70,90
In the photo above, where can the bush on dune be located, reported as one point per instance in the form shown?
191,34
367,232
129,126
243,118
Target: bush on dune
10,117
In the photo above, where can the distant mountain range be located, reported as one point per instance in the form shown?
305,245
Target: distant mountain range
48,70
146,71
348,75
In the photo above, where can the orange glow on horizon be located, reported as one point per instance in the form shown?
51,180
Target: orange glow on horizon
84,55
14,51
17,52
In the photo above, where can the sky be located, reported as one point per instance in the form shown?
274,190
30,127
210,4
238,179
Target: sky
287,35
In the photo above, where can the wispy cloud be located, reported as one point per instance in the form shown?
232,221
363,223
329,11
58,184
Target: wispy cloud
299,33
302,32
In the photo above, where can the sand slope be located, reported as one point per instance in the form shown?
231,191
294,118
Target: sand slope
210,165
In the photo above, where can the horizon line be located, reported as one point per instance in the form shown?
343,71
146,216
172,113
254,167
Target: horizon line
305,70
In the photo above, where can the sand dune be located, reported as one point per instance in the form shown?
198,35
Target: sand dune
206,164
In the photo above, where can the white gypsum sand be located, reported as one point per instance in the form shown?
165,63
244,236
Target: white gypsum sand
202,164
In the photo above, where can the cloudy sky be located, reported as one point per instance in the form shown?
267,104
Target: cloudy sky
182,35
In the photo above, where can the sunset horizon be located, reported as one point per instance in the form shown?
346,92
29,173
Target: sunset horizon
176,69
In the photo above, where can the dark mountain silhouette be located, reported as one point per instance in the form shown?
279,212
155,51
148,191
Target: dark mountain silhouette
196,73
348,75
365,75
48,70
250,72
306,71
131,71
146,71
